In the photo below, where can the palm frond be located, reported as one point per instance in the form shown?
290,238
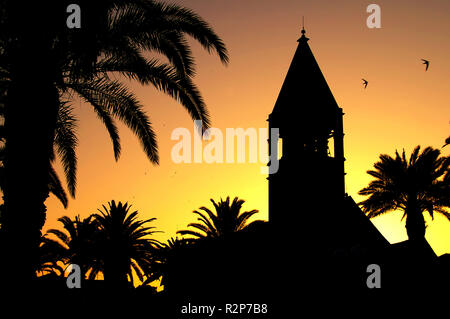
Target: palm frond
55,187
66,142
191,233
60,235
186,21
243,218
116,98
105,116
164,78
227,219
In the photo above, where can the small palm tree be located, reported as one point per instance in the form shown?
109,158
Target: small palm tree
51,254
124,242
227,220
77,245
414,186
163,258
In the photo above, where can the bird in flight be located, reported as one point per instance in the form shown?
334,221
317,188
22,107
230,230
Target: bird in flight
447,142
365,83
427,63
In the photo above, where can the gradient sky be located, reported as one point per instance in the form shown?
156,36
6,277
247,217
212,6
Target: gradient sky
403,106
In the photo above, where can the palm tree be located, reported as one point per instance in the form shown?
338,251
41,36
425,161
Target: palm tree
227,220
124,242
78,244
65,142
116,38
416,185
51,254
163,258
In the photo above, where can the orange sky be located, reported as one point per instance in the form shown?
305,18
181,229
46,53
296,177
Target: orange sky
403,106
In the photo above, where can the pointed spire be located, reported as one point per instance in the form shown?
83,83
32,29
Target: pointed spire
305,93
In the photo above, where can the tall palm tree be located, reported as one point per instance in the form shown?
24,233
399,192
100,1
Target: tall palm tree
416,185
125,245
116,38
227,219
65,142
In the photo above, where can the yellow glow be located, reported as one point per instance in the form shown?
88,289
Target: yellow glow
403,106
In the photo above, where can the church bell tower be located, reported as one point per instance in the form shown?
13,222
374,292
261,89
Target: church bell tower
310,178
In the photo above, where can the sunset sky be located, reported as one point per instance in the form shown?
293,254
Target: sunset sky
403,106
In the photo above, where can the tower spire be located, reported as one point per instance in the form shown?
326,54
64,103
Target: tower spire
303,37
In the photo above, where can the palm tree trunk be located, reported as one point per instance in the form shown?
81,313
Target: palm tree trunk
115,273
30,119
415,224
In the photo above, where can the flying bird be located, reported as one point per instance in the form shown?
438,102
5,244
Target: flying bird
447,142
365,83
427,63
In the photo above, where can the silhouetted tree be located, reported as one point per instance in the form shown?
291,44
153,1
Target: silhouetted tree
124,244
227,219
79,244
51,254
40,67
65,142
413,186
162,258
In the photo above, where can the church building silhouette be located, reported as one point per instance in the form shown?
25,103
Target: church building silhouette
309,187
317,238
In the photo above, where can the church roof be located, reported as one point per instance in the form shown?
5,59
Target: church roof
305,93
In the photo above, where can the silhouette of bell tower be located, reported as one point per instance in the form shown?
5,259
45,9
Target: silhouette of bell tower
309,183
